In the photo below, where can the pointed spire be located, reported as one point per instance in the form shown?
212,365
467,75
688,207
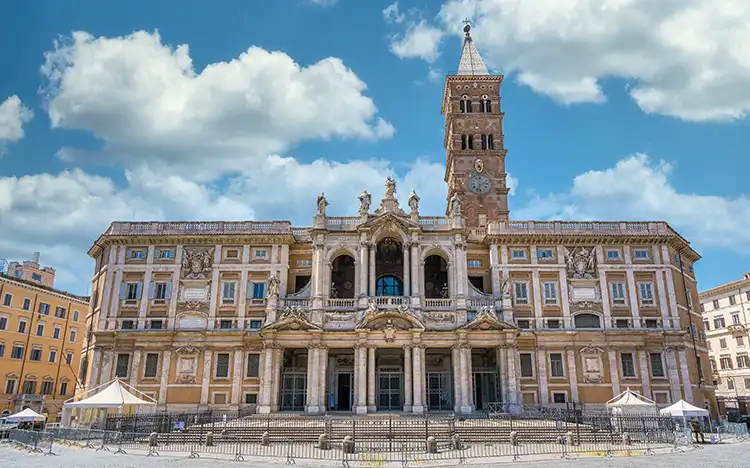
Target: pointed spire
471,62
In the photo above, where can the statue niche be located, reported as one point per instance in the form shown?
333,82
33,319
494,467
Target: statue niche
435,277
389,268
342,277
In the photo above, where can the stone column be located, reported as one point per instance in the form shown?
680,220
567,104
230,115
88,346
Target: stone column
418,382
514,376
135,367
109,311
645,376
214,297
284,271
278,361
206,377
364,269
614,373
564,299
663,305
371,378
166,363
461,269
108,364
467,387
501,358
606,309
175,292
457,378
542,380
145,296
237,377
495,271
633,296
266,378
373,248
313,379
573,375
96,368
673,374
687,386
407,270
408,384
355,386
362,384
323,366
416,282
242,299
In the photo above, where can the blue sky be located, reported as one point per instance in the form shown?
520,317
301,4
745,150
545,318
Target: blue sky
611,114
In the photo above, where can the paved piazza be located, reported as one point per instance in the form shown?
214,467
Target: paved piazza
715,456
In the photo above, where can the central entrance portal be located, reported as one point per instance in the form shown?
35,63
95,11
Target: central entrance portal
344,391
390,388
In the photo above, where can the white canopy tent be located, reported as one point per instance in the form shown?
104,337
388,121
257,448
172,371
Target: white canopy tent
114,394
630,402
27,415
683,409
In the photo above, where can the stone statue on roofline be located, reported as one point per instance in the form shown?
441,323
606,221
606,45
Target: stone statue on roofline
322,203
390,188
365,200
273,286
455,205
414,202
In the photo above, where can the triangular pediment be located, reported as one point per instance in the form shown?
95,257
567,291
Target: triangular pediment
485,321
390,319
389,220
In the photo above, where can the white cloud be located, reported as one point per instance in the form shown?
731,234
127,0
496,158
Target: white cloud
685,59
637,188
148,104
419,40
13,116
324,2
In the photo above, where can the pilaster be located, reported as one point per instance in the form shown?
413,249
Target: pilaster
206,377
415,276
663,305
372,270
236,377
633,297
135,367
371,378
242,299
673,372
614,373
537,292
364,270
541,356
514,375
407,269
604,290
214,298
265,381
166,363
565,299
495,271
313,379
418,381
687,386
645,375
278,359
114,305
457,378
408,384
323,370
573,375
466,380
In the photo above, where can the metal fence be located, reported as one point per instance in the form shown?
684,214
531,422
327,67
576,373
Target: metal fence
369,439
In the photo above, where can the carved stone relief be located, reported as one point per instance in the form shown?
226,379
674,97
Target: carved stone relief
197,262
581,263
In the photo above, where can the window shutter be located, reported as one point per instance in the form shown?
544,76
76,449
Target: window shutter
123,290
139,289
250,290
168,293
151,290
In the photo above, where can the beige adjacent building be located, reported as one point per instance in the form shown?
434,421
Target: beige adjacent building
725,321
42,332
392,310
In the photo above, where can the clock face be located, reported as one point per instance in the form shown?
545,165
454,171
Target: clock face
480,184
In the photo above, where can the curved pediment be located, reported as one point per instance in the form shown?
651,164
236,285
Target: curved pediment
292,319
390,319
487,321
390,224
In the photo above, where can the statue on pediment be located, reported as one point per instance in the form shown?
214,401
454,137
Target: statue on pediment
365,200
390,188
197,263
322,203
414,201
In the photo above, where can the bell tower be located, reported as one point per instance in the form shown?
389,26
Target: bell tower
475,153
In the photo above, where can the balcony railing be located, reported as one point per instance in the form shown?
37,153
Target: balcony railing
579,228
209,228
439,304
615,323
296,302
391,301
341,304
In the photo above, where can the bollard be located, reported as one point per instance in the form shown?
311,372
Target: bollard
625,438
348,445
431,445
152,439
457,443
265,439
514,438
323,442
209,439
569,438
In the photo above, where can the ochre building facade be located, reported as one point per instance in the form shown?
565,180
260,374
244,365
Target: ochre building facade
42,332
390,310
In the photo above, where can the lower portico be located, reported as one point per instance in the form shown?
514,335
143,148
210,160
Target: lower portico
387,363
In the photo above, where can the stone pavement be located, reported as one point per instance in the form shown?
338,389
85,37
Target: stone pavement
714,456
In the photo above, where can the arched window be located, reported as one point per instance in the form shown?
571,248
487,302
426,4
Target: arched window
488,106
587,321
462,105
389,285
484,142
467,142
465,105
490,142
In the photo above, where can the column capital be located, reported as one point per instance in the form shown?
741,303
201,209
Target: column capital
407,347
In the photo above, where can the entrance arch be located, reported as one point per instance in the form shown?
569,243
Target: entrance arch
342,277
389,268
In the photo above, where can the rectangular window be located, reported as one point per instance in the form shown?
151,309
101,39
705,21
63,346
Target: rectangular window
304,263
3,323
36,354
661,398
550,292
39,329
44,308
559,397
725,363
723,343
518,254
251,398
132,291
253,365
22,326
26,304
544,254
716,303
232,254
127,325
613,254
10,386
706,325
160,291
164,254
743,361
628,365
7,299
646,293
123,365
260,253
17,352
220,398
732,300
52,355
735,319
553,323
522,293
255,324
29,387
137,254
718,322
2,349
63,388
556,366
730,384
72,335
60,312
69,358
75,315
222,366
527,367
36,277
226,324
56,333
657,365
47,387
474,263
259,290
618,293
156,324
640,254
740,341
151,367
747,383
651,323
227,291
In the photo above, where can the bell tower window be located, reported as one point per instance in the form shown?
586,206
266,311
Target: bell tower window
485,105
467,142
465,105
490,142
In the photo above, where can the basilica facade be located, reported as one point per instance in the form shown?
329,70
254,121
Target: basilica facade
390,310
